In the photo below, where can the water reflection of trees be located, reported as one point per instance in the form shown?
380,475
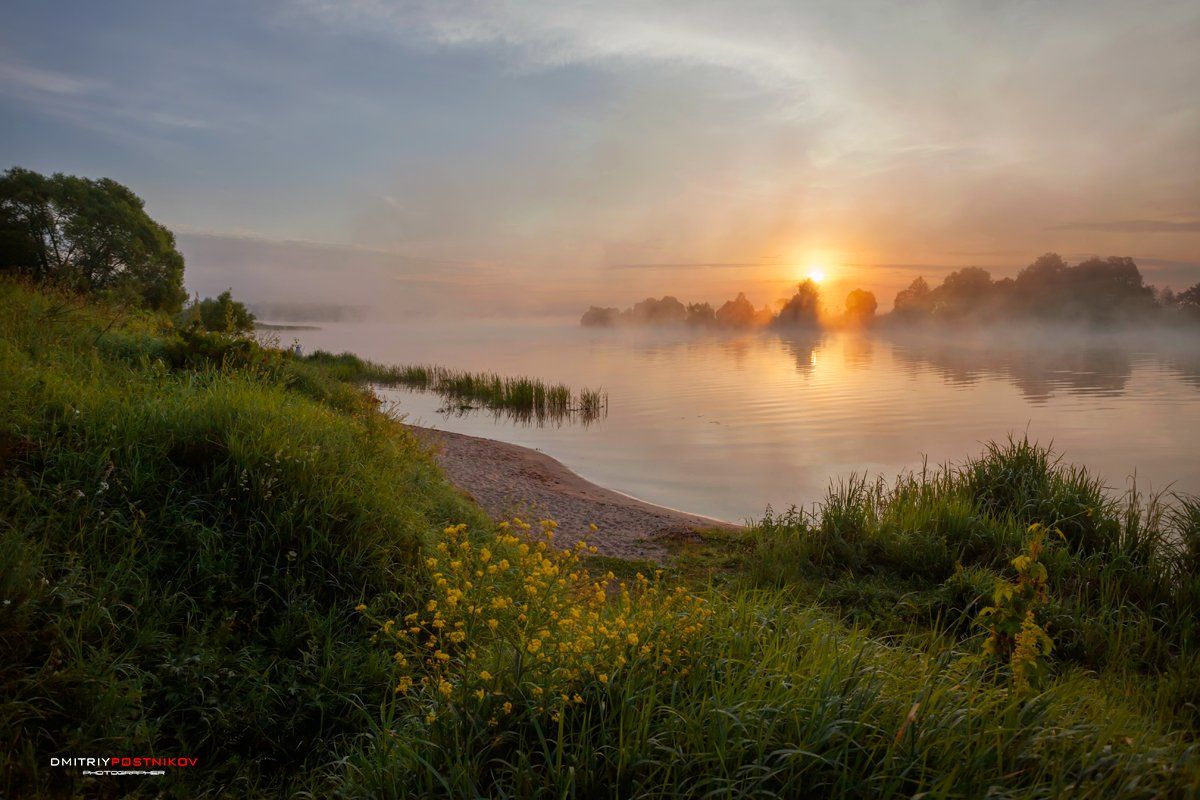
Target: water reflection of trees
1037,373
858,350
1186,362
1040,363
802,346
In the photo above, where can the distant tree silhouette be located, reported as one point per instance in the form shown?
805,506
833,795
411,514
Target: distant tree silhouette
596,316
666,311
737,313
1098,290
1037,287
803,308
963,293
1188,301
860,307
913,303
701,314
1107,289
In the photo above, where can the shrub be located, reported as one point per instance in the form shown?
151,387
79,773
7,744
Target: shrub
1015,633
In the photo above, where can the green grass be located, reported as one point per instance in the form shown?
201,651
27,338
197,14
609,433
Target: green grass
525,399
181,551
923,553
187,523
781,701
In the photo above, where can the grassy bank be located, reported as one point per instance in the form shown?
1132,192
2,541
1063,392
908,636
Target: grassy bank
212,549
186,527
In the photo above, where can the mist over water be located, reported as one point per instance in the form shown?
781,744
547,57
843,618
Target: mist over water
726,424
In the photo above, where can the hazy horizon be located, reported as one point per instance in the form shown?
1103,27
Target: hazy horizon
525,158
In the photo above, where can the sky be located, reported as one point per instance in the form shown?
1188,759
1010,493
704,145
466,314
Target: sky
492,158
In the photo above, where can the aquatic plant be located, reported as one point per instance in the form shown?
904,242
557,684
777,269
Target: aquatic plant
522,398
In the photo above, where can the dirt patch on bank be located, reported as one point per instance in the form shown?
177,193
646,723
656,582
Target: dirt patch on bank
506,479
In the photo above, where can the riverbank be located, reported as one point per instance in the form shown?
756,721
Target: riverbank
214,548
506,479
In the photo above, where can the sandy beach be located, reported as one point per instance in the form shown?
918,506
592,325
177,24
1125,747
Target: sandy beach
507,479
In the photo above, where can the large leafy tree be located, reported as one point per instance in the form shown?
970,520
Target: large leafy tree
90,235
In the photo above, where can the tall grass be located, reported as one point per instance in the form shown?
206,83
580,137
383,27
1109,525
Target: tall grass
925,551
754,697
180,554
525,399
776,700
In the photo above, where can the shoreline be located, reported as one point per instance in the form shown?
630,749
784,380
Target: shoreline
507,479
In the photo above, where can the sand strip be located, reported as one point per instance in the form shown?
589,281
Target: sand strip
506,479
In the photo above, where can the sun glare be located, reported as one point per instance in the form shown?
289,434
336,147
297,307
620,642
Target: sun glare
816,274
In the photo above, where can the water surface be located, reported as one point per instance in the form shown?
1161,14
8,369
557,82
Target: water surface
726,424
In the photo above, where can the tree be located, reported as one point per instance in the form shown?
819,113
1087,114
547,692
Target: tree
597,316
221,314
1046,271
89,235
656,312
737,313
962,294
701,314
803,308
860,307
913,303
1189,300
1107,289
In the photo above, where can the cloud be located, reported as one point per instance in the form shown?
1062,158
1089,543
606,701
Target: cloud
547,36
95,105
19,78
929,120
1132,226
690,265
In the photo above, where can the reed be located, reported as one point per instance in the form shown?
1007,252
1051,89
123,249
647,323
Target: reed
526,398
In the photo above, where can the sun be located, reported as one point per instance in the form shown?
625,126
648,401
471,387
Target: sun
816,274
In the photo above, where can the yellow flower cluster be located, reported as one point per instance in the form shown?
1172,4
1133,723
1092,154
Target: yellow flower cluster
1011,621
516,622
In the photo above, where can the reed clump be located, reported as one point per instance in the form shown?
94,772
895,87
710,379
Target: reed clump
524,398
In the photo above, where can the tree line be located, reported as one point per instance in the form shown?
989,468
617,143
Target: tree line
1094,291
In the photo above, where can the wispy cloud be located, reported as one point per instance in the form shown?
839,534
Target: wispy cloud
94,104
690,265
16,77
1132,226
